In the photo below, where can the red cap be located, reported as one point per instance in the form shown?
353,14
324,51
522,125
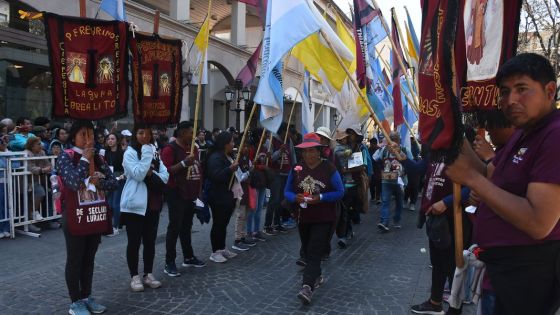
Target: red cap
310,140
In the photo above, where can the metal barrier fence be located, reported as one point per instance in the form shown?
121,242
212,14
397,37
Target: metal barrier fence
27,198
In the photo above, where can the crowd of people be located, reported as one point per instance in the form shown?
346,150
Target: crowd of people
322,183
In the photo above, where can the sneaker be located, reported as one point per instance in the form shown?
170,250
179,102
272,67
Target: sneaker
378,202
427,308
33,228
412,207
269,231
217,257
238,245
248,241
37,216
382,227
319,282
257,236
94,307
171,270
305,294
301,262
136,284
397,225
453,311
193,262
115,233
78,308
289,224
227,254
7,234
341,243
151,281
53,225
281,229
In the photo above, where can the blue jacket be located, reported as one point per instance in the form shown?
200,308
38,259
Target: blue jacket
134,198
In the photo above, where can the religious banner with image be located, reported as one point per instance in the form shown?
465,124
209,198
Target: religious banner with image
486,38
156,79
89,65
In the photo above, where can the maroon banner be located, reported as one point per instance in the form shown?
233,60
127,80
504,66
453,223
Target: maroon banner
440,117
486,38
89,66
397,73
156,79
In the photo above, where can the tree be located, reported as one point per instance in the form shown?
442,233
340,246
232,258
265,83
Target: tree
539,30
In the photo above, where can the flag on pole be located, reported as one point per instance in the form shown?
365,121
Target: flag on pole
199,52
363,14
259,4
397,73
412,39
409,116
288,22
306,114
317,57
114,8
247,74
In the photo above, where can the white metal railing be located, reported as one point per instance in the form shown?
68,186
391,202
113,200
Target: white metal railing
20,192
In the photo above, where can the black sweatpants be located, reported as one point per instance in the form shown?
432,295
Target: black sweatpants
141,230
221,214
443,269
315,238
181,214
80,257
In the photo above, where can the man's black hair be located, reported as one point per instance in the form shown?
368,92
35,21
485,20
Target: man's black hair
535,66
184,125
41,121
22,120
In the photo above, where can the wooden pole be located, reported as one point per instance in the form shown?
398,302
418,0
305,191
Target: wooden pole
156,22
245,132
401,63
402,38
320,110
356,86
458,221
261,140
290,117
83,12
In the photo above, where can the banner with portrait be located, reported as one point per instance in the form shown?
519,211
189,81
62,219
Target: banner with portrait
89,66
156,79
487,33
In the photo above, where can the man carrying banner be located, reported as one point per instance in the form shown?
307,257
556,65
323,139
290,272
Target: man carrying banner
517,225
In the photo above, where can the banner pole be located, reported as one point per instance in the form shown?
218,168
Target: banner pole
240,148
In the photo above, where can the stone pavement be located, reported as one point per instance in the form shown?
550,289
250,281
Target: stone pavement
376,274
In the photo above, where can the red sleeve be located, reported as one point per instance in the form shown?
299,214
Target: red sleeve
167,156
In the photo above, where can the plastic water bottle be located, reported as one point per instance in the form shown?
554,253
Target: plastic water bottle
54,186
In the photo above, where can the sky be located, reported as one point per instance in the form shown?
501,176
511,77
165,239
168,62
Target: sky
385,5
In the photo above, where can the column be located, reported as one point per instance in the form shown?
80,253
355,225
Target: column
238,32
180,10
185,104
327,117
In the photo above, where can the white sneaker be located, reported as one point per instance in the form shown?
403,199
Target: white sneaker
33,228
115,232
136,284
7,234
151,281
227,254
218,257
412,207
37,216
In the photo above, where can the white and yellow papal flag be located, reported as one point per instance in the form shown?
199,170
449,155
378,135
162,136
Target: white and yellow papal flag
199,52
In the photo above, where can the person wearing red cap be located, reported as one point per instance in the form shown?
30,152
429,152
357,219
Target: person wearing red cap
314,185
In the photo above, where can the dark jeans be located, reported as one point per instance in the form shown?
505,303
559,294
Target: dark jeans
353,204
141,230
114,201
411,190
315,238
221,214
375,187
80,257
181,213
274,208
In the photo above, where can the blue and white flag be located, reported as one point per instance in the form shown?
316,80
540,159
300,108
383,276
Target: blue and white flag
306,114
114,8
287,23
408,115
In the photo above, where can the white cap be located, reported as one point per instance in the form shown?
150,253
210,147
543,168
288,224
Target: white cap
324,131
126,133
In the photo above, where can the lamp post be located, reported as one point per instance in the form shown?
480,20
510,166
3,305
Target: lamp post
336,118
187,76
239,93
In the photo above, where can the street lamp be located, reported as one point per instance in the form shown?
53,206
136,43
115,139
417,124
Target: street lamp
187,76
229,94
336,118
239,93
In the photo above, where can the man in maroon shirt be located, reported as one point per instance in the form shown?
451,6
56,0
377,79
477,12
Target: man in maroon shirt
185,182
517,224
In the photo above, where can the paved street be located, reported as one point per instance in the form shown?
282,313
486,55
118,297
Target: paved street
376,274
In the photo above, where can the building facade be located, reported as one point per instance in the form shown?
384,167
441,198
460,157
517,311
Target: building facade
236,30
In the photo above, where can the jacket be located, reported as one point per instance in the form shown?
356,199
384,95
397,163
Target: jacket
134,198
219,175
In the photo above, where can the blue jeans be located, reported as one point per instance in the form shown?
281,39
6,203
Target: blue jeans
114,201
387,191
4,211
254,216
488,301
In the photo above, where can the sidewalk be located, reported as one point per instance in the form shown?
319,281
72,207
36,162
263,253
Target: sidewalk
376,274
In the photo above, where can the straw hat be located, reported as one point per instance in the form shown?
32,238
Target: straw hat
341,134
